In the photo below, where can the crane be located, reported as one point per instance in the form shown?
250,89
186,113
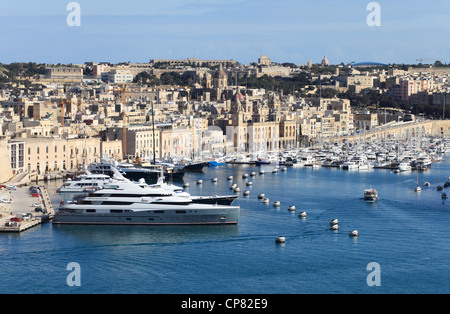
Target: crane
422,59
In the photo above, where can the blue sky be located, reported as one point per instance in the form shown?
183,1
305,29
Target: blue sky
285,30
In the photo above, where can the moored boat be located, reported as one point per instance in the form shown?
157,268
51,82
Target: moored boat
142,204
371,195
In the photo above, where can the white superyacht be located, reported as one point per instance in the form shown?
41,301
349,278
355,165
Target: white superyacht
126,202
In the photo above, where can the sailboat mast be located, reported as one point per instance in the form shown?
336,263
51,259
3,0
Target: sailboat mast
154,139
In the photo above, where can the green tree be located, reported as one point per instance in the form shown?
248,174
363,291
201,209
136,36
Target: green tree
147,79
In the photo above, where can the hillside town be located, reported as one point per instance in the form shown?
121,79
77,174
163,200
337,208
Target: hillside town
57,118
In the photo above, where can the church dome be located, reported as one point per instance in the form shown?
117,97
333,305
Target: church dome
325,61
221,73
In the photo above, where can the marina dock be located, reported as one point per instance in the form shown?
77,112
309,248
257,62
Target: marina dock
20,210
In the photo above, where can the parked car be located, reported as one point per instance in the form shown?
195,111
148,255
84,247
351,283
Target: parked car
6,200
15,219
25,216
12,187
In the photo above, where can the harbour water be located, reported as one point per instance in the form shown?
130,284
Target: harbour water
405,233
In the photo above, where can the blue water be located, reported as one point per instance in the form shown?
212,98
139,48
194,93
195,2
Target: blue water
407,234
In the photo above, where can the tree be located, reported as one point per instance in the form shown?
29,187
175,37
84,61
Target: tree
147,79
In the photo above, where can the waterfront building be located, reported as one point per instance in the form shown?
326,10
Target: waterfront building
365,121
41,155
139,139
6,173
256,126
112,149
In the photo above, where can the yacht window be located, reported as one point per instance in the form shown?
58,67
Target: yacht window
180,212
116,203
158,211
90,210
116,211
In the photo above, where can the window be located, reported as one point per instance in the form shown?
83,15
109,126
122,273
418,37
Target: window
90,210
180,212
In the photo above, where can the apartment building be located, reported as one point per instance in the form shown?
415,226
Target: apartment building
45,154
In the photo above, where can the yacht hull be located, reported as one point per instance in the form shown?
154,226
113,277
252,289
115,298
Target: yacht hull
219,216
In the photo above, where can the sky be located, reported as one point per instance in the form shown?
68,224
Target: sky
284,30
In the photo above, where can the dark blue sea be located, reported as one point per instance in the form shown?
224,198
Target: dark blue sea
407,234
